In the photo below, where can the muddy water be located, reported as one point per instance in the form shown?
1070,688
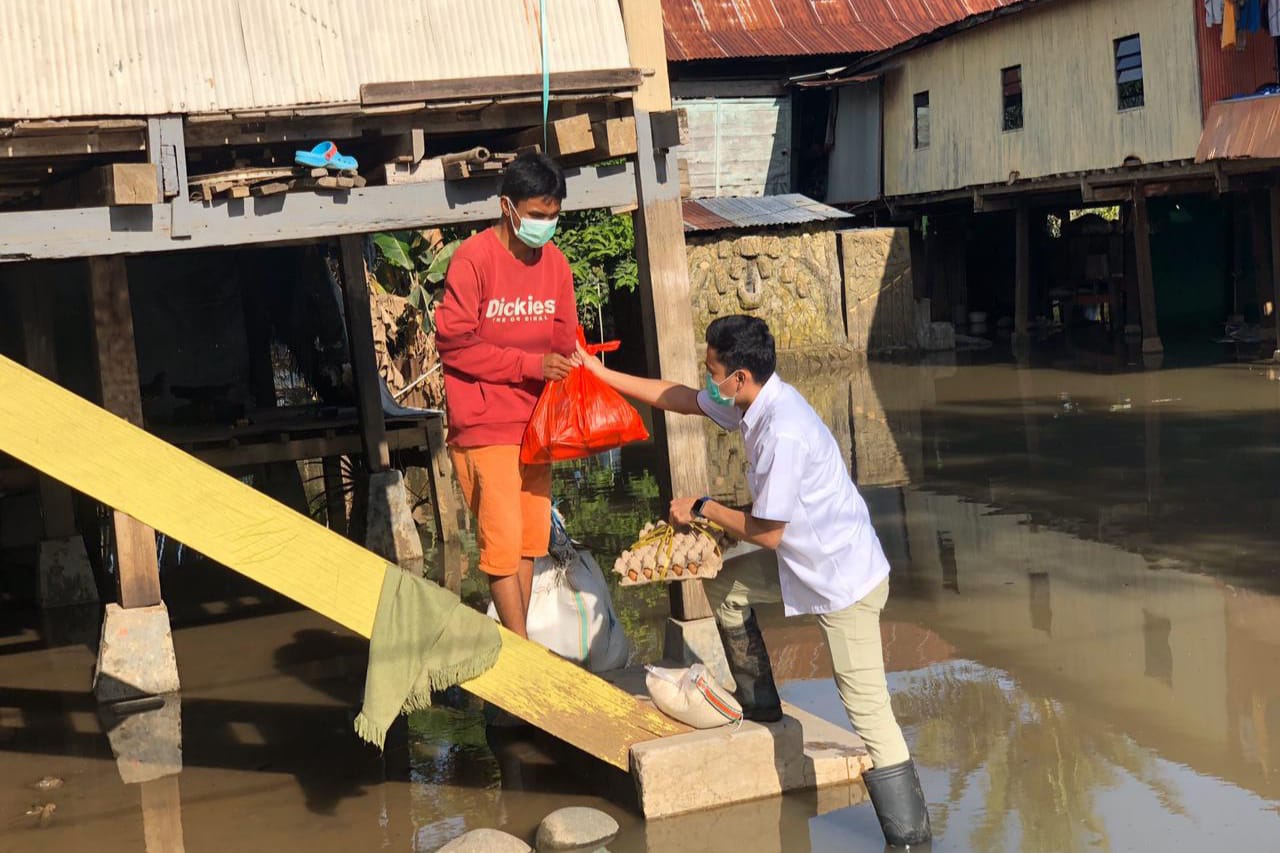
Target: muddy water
1082,640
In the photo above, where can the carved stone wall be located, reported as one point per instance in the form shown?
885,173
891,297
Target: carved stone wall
788,277
878,289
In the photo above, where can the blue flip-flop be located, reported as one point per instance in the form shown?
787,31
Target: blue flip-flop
325,156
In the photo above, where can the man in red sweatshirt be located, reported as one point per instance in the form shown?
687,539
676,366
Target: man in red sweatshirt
508,322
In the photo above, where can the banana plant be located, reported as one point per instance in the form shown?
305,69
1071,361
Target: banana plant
413,265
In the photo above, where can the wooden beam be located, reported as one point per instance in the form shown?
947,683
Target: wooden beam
604,80
1022,274
1146,282
295,216
167,151
137,571
110,185
615,137
70,439
73,145
364,363
564,137
446,518
670,347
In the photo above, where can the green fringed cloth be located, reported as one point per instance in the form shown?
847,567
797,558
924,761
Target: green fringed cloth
424,639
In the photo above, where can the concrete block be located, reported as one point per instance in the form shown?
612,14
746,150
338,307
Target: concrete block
389,527
717,767
697,641
879,294
145,737
939,337
64,576
135,654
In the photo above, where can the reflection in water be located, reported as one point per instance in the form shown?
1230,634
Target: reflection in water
1082,639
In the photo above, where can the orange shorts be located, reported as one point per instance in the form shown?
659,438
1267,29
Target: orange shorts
511,502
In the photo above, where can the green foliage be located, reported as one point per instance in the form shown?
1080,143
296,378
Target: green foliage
600,247
412,264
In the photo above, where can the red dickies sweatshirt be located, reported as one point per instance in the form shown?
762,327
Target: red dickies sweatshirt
498,318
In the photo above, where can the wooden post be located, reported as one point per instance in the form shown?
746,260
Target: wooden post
364,364
1261,242
664,276
35,299
668,328
1022,275
1146,283
1274,192
646,42
450,550
137,571
335,500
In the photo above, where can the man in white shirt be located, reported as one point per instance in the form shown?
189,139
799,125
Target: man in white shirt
807,542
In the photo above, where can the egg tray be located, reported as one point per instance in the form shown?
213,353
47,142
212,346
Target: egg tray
663,553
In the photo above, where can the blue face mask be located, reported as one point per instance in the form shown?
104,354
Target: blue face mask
713,391
534,233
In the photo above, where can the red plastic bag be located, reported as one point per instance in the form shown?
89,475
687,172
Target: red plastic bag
579,416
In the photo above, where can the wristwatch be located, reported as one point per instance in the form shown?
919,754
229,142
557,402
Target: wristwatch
698,504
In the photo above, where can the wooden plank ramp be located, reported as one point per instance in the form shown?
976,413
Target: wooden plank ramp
84,446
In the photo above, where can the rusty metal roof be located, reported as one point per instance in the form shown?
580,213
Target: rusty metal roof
67,58
728,29
1243,128
716,214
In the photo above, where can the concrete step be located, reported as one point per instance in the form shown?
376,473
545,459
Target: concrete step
716,767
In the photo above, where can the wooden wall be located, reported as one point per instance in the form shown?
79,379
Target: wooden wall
738,146
1069,96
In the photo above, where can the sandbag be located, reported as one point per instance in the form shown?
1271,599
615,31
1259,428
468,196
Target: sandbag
571,610
692,696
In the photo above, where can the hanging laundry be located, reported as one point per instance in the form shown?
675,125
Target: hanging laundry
1251,16
1229,24
1213,12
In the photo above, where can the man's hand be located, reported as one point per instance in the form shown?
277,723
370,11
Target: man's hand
681,514
555,366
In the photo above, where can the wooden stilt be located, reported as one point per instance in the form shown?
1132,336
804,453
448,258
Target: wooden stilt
364,364
1275,262
335,500
137,571
35,300
442,507
1022,275
670,348
1146,284
1260,239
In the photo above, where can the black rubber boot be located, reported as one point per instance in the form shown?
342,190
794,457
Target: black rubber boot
749,664
899,802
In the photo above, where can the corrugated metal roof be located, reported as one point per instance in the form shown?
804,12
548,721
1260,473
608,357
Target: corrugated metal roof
65,58
715,214
720,29
1248,127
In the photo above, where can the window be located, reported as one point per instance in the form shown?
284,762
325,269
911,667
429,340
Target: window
922,119
1011,96
1129,94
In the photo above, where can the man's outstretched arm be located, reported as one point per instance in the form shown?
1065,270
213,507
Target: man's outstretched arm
659,393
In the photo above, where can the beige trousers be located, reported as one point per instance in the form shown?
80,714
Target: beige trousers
750,577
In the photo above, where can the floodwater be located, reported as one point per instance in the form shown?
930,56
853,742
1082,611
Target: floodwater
1082,641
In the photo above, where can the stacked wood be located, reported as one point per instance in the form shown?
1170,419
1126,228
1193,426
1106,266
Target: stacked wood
664,553
269,180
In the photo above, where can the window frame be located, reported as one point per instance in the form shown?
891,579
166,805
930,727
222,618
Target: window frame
915,120
1134,99
1005,103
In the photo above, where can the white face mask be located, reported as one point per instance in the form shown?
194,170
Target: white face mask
534,233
